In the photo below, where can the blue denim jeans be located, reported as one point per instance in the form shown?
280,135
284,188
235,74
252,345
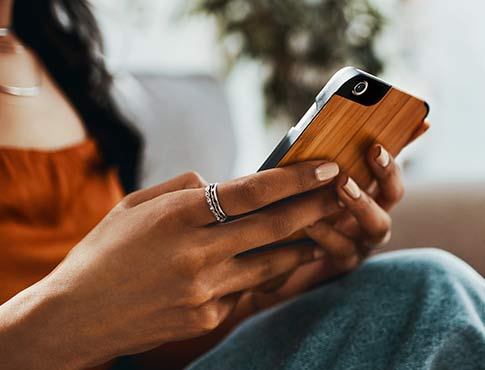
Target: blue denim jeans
416,309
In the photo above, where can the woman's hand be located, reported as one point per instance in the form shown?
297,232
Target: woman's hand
158,269
346,241
366,223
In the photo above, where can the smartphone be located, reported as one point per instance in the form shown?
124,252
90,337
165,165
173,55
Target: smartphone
353,111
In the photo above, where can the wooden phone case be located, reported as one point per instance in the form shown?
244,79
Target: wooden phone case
343,129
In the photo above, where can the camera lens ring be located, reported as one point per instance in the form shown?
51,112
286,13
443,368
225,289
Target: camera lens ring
360,88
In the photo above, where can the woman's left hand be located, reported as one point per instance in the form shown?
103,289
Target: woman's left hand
347,241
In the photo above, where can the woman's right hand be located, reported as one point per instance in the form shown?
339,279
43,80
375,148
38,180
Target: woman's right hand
158,269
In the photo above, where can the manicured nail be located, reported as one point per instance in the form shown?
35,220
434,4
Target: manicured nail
383,159
385,240
352,189
327,171
341,204
318,253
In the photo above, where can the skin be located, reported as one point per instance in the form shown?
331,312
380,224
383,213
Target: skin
159,261
157,270
47,121
345,241
5,12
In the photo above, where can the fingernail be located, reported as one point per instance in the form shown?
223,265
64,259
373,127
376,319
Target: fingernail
318,253
383,159
327,171
341,204
385,240
352,189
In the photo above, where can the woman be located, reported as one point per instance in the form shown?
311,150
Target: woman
88,275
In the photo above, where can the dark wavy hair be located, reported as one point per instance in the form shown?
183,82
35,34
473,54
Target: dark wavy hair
65,36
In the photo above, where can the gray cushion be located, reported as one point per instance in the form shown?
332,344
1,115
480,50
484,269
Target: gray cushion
185,123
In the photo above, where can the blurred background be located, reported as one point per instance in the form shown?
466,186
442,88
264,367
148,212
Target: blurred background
213,85
431,48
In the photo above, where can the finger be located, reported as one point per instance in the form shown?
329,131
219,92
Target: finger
212,314
274,284
388,176
334,243
250,193
301,280
189,180
226,305
348,226
253,270
419,132
374,222
274,223
351,228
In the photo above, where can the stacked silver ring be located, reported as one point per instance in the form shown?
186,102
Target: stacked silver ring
213,202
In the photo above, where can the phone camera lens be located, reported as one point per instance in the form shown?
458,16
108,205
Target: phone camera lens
360,88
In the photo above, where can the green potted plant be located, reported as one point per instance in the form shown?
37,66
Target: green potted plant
300,43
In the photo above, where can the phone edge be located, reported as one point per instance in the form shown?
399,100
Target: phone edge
339,79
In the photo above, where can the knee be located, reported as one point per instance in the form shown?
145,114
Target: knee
420,266
424,261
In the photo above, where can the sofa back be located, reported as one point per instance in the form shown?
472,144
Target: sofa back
450,217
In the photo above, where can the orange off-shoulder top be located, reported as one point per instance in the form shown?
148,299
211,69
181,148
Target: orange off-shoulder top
49,200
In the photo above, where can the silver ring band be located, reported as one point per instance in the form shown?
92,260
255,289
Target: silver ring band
4,31
213,203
